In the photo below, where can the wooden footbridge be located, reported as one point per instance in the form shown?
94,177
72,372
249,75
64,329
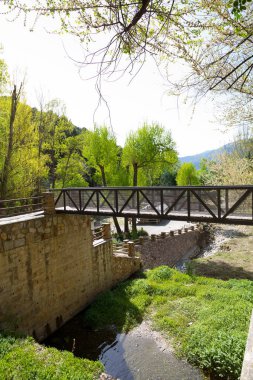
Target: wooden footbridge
213,204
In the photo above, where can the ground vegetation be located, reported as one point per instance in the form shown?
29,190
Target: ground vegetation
206,319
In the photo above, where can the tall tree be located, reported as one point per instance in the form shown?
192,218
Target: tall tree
101,152
151,146
20,167
71,166
15,96
54,129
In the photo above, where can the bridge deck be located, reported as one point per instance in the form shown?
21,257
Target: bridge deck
213,204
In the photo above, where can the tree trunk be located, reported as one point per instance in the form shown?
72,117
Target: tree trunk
126,227
102,169
135,181
135,175
117,226
66,169
115,220
7,161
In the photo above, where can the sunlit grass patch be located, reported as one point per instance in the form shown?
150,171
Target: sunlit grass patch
207,318
23,359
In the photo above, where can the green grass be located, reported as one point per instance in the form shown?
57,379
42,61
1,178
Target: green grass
206,318
23,359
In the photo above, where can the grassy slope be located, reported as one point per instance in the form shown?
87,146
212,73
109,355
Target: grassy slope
207,318
23,359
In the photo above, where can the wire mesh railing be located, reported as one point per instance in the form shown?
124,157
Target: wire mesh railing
20,206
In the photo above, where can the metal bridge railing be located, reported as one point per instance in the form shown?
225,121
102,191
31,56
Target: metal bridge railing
216,204
20,206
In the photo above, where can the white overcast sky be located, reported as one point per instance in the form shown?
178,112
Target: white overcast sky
49,70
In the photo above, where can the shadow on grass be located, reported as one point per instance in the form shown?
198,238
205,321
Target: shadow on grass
220,270
94,333
233,232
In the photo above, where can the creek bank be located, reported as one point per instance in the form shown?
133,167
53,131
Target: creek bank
140,354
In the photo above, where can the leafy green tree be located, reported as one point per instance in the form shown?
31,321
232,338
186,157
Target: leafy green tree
204,173
71,167
150,147
54,128
19,162
187,175
101,151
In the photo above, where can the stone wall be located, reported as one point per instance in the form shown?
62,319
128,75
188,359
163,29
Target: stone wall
171,249
247,367
50,270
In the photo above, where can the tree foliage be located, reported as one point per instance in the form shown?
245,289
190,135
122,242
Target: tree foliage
229,169
102,153
151,149
24,167
187,175
215,38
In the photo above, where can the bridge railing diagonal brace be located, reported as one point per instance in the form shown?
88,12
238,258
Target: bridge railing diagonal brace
127,201
203,204
149,202
106,201
58,198
70,198
175,202
88,201
237,203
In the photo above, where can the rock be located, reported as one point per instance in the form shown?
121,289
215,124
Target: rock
105,376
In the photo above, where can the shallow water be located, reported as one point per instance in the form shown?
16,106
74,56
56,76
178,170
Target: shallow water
125,356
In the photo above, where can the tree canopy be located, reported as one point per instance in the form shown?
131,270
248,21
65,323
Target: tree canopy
187,175
213,37
149,147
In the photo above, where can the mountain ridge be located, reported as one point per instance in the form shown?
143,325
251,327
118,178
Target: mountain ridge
207,154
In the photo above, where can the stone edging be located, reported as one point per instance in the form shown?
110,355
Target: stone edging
247,367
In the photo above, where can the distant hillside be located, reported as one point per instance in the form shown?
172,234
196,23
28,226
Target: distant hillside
208,154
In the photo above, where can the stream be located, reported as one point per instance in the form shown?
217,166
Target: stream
139,355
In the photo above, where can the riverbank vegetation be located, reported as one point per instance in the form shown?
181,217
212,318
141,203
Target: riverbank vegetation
40,148
207,319
24,359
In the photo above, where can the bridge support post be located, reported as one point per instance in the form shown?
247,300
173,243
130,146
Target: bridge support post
48,203
106,231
